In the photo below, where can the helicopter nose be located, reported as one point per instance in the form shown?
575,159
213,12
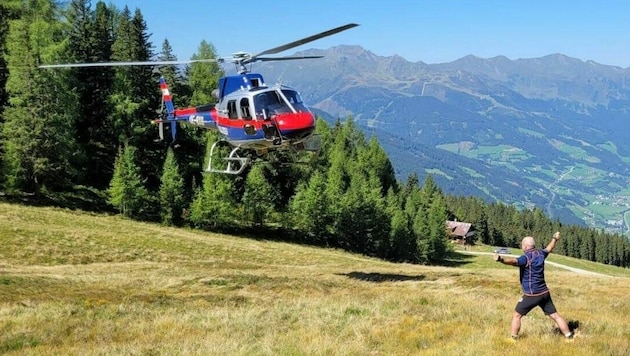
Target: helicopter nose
296,125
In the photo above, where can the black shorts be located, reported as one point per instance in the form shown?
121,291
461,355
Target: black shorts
527,303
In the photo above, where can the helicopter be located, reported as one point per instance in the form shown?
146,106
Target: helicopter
250,115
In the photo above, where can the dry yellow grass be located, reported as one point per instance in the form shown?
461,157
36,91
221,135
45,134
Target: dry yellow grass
78,283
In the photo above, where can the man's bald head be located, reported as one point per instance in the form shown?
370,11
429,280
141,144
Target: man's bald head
528,243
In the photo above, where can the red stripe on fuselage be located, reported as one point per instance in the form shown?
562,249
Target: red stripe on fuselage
286,121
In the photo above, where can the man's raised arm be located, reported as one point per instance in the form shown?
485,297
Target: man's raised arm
552,243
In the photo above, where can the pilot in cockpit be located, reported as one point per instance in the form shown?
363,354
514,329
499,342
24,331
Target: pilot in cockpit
262,107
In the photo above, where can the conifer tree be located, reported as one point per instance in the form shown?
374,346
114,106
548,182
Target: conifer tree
189,139
126,106
171,191
126,191
362,225
215,205
201,78
438,238
38,133
337,181
309,210
8,10
204,77
379,165
136,96
90,40
174,77
481,228
320,161
403,244
259,195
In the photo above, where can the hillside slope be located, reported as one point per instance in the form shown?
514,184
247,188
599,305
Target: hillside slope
79,283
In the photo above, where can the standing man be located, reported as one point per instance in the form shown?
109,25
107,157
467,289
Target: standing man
535,292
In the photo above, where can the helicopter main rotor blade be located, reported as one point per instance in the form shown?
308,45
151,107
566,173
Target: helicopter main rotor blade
304,40
118,64
268,59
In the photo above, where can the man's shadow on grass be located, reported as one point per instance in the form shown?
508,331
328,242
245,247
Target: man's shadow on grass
574,325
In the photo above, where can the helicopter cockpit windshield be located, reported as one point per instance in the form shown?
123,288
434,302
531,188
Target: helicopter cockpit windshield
295,100
275,102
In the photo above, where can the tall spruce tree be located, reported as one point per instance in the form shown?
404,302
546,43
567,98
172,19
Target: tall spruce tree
126,191
338,178
364,225
258,199
8,10
379,165
402,240
38,133
201,78
136,96
309,210
214,206
189,141
90,39
135,88
438,239
173,75
172,193
204,77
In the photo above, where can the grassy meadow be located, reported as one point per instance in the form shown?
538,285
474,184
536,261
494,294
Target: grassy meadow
80,283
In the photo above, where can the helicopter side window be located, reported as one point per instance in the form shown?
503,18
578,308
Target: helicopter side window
245,112
231,106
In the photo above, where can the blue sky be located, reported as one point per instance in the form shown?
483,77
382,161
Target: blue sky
432,31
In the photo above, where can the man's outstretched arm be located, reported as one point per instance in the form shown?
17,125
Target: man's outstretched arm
506,260
552,243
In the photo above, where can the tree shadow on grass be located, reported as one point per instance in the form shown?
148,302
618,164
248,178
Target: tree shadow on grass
77,198
381,277
455,259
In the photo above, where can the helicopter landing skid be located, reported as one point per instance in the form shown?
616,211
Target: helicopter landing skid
235,163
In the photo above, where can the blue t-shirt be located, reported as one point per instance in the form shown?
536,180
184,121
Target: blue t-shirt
532,271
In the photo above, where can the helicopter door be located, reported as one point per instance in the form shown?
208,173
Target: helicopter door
245,109
232,113
247,116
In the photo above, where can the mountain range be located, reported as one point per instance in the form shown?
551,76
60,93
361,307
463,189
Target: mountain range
549,132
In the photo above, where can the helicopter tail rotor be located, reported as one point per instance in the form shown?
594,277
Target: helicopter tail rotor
167,115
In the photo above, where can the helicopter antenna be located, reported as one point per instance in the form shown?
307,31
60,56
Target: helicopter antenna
281,76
